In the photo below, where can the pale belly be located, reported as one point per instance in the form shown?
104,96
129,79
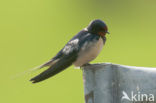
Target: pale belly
85,56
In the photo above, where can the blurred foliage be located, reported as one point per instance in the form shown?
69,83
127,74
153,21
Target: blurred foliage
33,31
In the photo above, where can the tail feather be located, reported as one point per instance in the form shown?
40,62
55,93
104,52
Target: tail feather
47,73
49,63
53,70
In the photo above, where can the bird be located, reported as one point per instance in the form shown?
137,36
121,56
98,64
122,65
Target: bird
79,51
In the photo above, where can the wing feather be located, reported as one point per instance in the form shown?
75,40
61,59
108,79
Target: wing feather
65,61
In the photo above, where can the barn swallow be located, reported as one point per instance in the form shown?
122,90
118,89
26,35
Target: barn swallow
80,50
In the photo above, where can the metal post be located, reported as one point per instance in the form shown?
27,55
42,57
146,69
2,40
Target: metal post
113,83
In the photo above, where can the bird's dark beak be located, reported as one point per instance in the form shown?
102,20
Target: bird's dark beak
107,32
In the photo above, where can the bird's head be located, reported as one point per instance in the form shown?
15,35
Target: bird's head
98,27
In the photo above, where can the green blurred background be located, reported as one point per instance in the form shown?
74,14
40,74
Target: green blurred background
33,31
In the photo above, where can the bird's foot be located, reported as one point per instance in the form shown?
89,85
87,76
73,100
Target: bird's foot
87,64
